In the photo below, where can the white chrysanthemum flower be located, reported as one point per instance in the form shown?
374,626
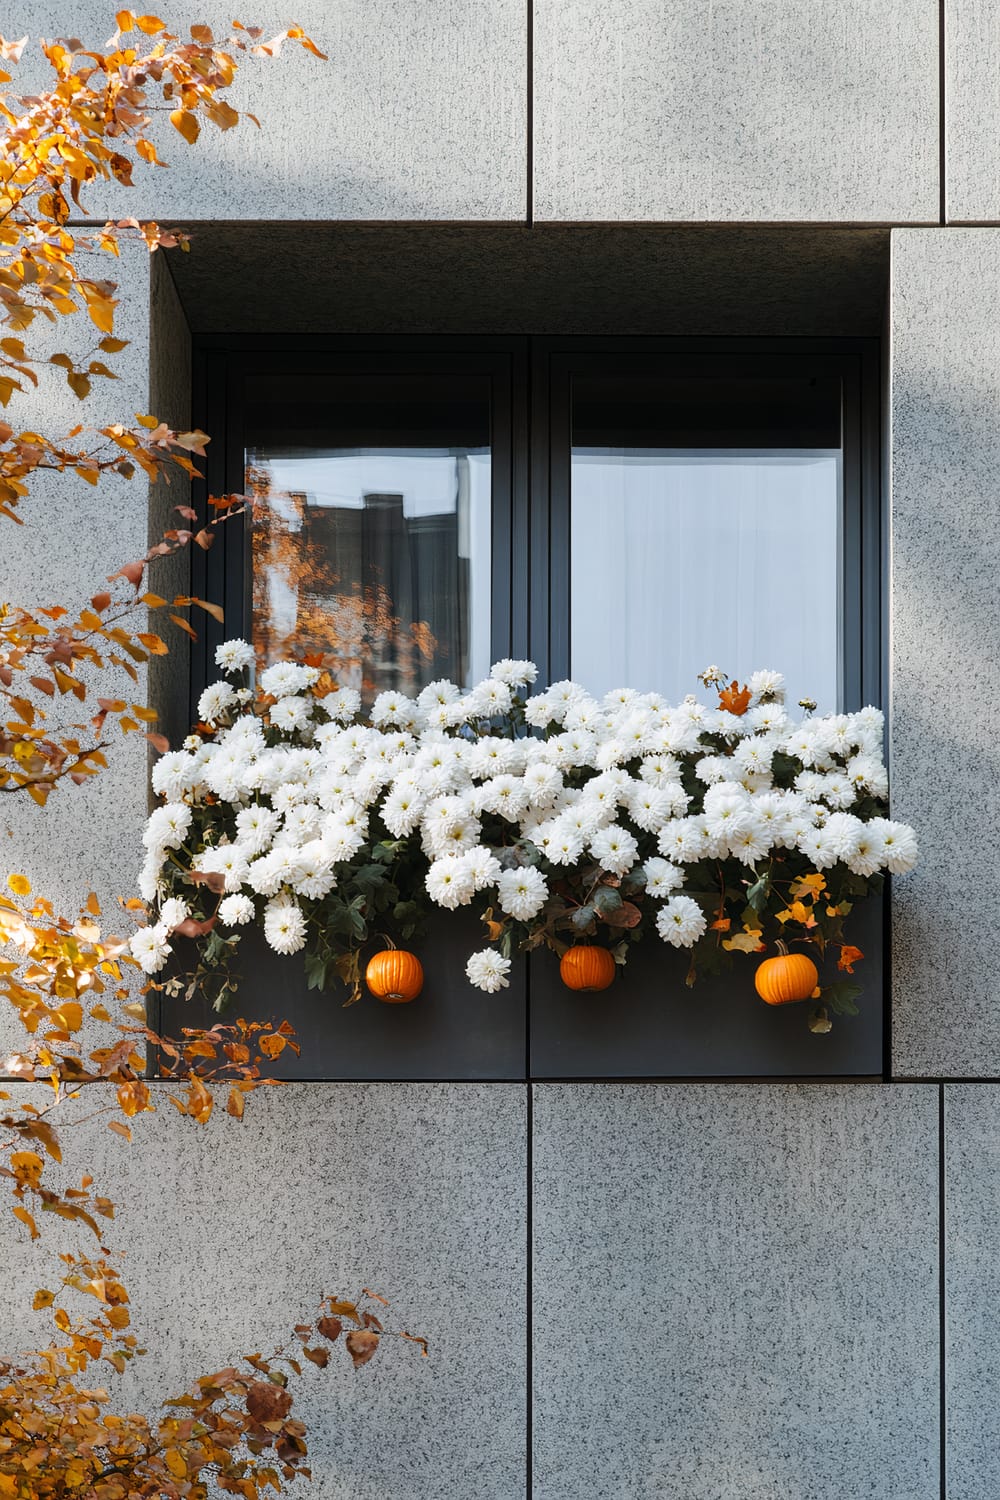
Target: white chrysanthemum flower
899,845
150,879
522,893
215,702
868,854
680,922
236,911
542,783
614,848
843,830
439,693
173,912
285,796
150,949
715,768
514,673
402,811
450,882
256,827
225,772
869,722
341,705
175,773
768,718
727,811
683,839
506,796
563,694
234,656
564,847
839,790
168,826
811,784
483,866
393,708
266,875
810,743
192,742
660,769
767,685
286,678
586,714
488,971
341,840
317,877
291,714
818,847
584,817
538,711
662,878
300,823
869,775
284,925
751,843
490,698
754,754
648,806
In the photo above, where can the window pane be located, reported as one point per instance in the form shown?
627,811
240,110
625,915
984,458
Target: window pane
686,554
371,536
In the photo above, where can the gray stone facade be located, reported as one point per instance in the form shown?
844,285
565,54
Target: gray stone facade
688,1292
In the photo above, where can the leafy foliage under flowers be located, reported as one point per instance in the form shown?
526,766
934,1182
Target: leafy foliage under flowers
726,828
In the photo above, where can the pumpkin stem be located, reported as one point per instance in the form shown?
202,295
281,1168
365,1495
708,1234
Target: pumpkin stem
781,946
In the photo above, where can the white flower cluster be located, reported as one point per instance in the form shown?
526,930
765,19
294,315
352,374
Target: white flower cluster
626,783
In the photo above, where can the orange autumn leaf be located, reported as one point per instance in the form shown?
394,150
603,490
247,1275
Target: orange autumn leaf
849,956
734,699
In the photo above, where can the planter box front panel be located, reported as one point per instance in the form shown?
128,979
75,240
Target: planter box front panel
648,1024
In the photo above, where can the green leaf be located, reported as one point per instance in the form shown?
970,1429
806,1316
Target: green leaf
607,900
840,997
583,919
758,893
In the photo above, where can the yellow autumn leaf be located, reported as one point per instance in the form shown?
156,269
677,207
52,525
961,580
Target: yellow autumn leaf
184,121
808,885
175,1463
743,942
19,884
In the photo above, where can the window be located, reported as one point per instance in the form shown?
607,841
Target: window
625,510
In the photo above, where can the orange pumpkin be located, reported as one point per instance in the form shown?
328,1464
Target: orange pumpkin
395,976
586,967
789,977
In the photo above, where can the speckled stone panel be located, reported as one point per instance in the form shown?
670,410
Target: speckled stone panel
743,109
972,1282
86,838
233,1233
972,109
945,647
418,113
735,1292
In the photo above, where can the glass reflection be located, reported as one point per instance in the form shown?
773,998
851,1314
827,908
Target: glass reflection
378,558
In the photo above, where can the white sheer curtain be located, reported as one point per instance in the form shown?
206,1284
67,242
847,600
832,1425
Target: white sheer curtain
682,560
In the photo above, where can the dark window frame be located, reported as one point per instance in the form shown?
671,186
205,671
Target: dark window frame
531,473
531,448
